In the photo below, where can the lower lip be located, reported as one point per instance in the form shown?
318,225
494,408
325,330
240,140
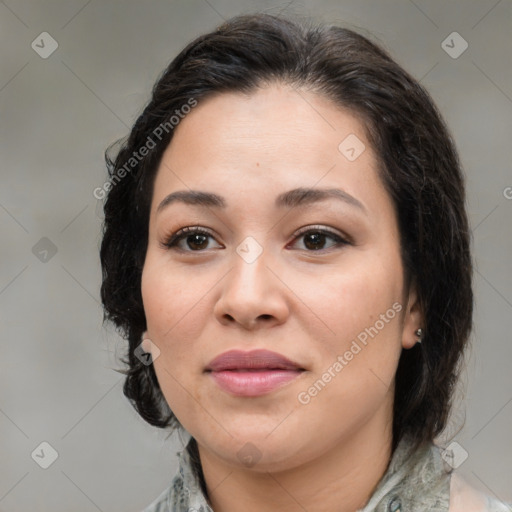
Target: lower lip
253,383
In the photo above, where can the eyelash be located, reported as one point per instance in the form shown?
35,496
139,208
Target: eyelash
173,239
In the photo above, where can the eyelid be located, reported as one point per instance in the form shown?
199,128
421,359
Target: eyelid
323,229
170,239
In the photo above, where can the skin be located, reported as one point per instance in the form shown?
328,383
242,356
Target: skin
308,305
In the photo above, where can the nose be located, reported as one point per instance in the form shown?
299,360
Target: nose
252,295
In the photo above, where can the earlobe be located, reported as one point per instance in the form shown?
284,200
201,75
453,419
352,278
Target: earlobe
413,327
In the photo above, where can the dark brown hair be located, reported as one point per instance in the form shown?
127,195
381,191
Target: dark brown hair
418,165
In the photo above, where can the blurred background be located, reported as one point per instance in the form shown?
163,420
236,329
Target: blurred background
73,77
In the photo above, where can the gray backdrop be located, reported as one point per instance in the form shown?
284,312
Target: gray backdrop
58,113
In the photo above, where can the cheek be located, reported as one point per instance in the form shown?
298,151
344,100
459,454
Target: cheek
171,299
353,299
359,360
176,311
362,310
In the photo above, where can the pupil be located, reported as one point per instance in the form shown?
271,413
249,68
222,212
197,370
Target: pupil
317,240
197,240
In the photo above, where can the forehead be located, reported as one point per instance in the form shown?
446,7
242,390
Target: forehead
274,121
275,138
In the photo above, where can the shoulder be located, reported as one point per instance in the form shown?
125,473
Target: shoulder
464,498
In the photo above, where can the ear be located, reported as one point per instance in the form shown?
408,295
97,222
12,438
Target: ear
413,319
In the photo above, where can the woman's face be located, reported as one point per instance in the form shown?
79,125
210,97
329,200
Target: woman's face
313,279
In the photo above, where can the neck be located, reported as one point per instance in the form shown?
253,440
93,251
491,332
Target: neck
343,479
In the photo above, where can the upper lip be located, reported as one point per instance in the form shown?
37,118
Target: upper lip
252,360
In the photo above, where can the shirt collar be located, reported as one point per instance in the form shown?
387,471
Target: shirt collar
415,480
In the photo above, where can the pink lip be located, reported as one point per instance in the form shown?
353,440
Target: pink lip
252,373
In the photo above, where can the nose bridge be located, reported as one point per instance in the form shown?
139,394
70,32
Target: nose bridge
250,290
249,274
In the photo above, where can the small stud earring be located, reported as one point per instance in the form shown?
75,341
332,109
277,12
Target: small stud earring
419,333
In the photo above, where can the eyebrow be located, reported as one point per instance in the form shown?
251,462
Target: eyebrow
290,199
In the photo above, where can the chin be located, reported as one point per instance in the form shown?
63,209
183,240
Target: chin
260,446
263,456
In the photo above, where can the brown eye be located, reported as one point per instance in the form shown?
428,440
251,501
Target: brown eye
315,241
189,240
198,241
320,239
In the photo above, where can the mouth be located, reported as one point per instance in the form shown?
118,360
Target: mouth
252,373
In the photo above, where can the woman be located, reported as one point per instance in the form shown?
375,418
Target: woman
286,249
